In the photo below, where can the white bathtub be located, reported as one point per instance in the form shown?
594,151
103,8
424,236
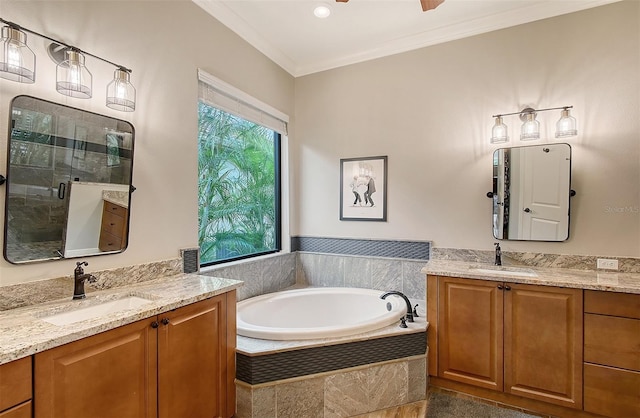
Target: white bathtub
317,313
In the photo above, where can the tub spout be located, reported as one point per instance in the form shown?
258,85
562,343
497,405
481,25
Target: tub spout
406,299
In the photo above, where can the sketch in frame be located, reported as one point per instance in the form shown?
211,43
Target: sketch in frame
363,189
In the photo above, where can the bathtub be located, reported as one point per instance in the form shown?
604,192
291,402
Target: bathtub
312,313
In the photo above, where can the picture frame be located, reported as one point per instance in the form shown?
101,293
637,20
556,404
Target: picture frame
358,176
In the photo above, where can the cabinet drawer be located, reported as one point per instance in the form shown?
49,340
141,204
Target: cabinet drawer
20,411
109,242
115,209
611,392
113,224
612,303
15,383
612,341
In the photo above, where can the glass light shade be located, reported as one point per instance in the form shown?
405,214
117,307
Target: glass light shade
72,77
566,125
121,95
499,132
530,128
18,62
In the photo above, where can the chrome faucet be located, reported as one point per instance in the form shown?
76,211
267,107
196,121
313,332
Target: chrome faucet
410,313
498,261
79,278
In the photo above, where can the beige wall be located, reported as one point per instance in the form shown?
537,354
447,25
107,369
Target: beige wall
430,112
164,42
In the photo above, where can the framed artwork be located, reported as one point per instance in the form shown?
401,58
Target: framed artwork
363,189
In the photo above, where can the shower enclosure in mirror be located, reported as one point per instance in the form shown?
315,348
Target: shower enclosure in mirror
68,182
531,192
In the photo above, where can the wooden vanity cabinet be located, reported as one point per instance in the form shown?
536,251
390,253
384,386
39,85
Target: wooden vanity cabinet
177,364
15,389
612,353
113,231
519,339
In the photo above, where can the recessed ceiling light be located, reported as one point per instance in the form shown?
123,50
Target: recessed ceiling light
322,11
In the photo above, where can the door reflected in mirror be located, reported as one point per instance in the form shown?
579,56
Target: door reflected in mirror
66,171
531,192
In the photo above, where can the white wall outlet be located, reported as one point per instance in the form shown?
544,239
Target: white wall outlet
608,264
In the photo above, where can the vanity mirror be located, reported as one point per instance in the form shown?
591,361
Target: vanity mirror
531,191
68,182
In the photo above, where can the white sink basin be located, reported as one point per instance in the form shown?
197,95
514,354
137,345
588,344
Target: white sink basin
96,311
504,271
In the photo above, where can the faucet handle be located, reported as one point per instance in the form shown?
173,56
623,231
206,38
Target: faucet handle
81,263
415,311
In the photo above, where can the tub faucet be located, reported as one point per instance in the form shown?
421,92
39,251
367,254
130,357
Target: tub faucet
498,261
79,277
406,299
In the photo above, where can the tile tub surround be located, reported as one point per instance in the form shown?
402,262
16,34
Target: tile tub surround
343,393
23,333
331,393
409,250
260,276
326,270
546,276
33,293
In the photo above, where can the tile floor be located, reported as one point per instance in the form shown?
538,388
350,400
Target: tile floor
448,405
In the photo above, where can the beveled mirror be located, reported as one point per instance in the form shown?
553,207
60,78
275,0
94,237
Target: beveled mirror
68,188
531,192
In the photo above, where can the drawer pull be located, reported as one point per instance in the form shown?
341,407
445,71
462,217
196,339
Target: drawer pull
165,321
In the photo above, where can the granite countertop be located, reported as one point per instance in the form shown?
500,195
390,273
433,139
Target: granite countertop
611,281
118,197
23,332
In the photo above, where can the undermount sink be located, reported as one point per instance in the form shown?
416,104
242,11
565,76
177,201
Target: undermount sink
503,271
96,311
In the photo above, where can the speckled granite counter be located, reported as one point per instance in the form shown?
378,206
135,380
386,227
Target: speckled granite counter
23,333
583,279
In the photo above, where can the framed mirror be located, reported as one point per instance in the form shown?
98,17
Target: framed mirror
68,188
531,192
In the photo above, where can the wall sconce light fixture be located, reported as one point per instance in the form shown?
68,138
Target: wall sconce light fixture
73,78
565,127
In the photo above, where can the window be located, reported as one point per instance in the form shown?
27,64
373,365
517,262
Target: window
238,181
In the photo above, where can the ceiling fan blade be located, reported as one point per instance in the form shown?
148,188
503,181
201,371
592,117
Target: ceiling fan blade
342,1
430,4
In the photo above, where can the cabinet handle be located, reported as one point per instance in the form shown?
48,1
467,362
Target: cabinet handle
154,324
500,287
165,321
507,288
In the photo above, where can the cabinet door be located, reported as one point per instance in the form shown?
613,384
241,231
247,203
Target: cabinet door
20,411
192,360
543,343
470,332
112,374
15,382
